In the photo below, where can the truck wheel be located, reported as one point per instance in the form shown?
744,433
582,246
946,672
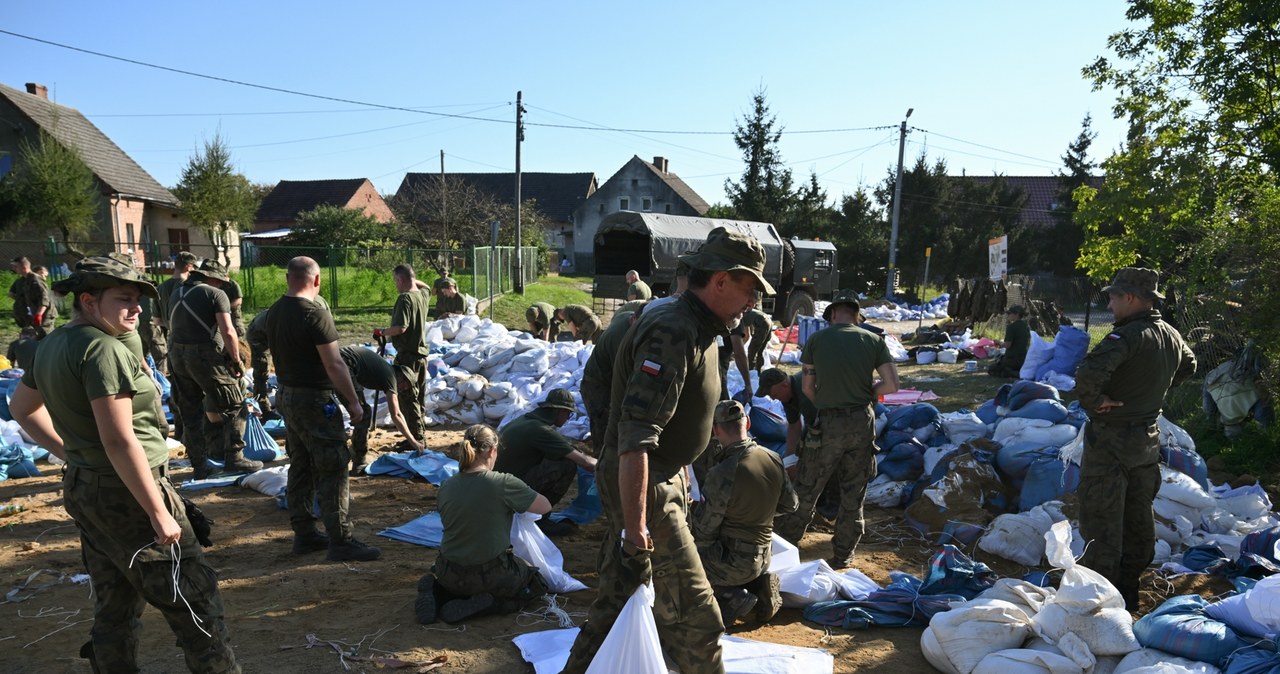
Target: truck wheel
799,304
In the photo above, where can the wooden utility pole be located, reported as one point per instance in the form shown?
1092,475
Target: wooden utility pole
517,283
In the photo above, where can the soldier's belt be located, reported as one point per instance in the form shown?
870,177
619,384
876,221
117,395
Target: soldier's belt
843,411
739,545
495,563
108,475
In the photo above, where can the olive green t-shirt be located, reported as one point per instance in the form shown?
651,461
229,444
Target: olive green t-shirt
232,289
165,291
410,312
368,369
540,313
845,357
200,325
639,291
597,374
476,510
800,406
449,305
528,440
80,363
1018,335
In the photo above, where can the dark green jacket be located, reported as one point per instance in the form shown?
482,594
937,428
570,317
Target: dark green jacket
1135,364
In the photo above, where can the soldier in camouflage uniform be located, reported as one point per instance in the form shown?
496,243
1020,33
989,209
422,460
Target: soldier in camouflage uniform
1122,383
665,387
407,331
31,300
205,359
541,318
583,322
370,371
838,365
733,524
449,302
310,371
637,289
183,263
88,401
235,296
535,451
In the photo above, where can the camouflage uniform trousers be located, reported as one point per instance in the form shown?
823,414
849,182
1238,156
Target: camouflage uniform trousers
206,383
360,431
260,361
112,529
160,348
685,609
589,330
551,478
733,563
1119,478
317,460
512,581
411,376
847,450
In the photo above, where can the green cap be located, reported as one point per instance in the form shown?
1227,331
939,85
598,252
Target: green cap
185,257
769,379
727,250
559,398
728,411
92,273
1141,282
848,297
213,269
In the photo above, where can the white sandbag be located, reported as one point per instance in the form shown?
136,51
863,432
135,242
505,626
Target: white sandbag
1152,661
1018,537
934,454
1040,431
887,493
434,335
1072,648
490,329
1086,603
1171,510
948,356
807,583
468,413
962,426
470,321
471,363
1026,661
494,410
882,422
784,554
535,361
448,327
466,334
1246,503
499,390
472,389
530,544
1263,602
268,481
925,357
454,357
1107,631
1039,353
444,399
1026,596
498,358
957,640
527,343
1172,435
632,645
1180,487
1163,552
1175,531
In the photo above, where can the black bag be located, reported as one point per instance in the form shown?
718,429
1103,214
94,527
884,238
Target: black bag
200,523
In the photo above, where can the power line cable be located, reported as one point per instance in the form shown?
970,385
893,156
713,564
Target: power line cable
985,147
280,112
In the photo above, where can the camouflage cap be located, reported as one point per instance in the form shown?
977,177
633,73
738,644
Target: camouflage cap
769,379
560,398
727,250
185,257
445,282
213,269
846,296
729,411
103,272
1141,282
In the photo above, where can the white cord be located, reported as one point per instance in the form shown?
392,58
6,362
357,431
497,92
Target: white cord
175,560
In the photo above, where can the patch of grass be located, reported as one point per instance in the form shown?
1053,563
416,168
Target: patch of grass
554,290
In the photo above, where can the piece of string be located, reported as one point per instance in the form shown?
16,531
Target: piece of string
175,561
554,612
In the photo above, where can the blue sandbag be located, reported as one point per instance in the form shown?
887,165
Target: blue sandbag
893,438
16,461
987,412
7,387
766,426
1015,458
1253,661
1047,409
258,445
911,417
1188,462
1076,416
1048,479
586,506
1069,348
898,604
1205,558
904,461
1024,391
1180,627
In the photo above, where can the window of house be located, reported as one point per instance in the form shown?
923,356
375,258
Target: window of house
179,240
667,209
128,236
646,204
635,182
624,203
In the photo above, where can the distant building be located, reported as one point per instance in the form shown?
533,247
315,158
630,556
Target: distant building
281,207
556,195
135,210
1042,197
637,186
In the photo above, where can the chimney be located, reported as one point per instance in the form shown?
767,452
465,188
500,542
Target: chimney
659,163
38,90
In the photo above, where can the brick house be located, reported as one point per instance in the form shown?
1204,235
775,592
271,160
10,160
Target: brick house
135,211
281,207
637,186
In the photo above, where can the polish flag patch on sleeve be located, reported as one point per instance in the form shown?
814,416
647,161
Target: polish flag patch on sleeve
1114,335
651,368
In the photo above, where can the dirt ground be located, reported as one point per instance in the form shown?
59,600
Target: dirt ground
293,614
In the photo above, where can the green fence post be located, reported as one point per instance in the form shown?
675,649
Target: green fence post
51,251
333,281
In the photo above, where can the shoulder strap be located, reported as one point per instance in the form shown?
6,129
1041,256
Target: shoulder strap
182,301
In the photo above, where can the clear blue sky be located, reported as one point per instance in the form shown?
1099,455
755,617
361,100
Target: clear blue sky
1004,75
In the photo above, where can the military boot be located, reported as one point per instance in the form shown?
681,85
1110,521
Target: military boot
233,441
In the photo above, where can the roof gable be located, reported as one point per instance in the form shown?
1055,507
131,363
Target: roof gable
117,171
557,194
291,197
671,180
1041,193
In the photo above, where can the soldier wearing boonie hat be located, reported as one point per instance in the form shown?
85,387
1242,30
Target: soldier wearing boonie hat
204,355
733,524
665,388
103,409
535,451
1122,384
839,366
449,302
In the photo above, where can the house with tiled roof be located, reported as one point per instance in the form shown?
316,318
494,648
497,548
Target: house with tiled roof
556,195
136,211
1042,197
637,186
289,198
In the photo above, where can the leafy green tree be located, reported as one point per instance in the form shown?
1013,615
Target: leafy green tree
51,186
333,225
1067,235
214,196
765,193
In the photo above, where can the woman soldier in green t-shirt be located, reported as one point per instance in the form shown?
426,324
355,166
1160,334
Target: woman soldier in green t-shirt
475,572
88,401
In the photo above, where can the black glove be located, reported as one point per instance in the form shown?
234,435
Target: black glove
200,523
634,570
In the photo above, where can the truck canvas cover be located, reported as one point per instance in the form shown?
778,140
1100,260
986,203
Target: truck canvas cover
666,237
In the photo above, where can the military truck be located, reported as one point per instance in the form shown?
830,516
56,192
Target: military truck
801,271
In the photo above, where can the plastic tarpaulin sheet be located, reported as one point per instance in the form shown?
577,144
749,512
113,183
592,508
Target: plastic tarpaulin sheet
258,444
673,235
427,530
433,467
586,506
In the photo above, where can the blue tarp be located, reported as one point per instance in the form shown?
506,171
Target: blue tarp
18,461
586,506
433,467
258,444
427,531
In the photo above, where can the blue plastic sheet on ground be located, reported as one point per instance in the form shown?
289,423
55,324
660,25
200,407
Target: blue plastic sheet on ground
1253,661
952,572
433,467
17,461
586,506
898,604
1181,628
427,531
258,444
210,482
7,387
